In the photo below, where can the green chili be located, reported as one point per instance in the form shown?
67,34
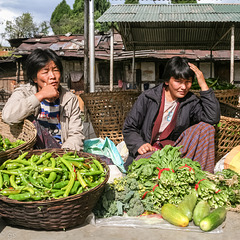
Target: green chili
93,167
22,156
21,161
36,197
12,182
81,180
72,177
80,190
29,189
99,165
53,161
50,169
72,158
34,182
75,187
1,180
57,194
6,179
11,166
9,191
92,173
76,164
61,184
20,196
52,176
70,184
21,175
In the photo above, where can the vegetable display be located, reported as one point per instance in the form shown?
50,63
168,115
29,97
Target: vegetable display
166,178
215,84
46,177
6,144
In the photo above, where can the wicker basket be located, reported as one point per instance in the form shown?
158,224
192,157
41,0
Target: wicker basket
108,110
57,214
230,96
228,130
25,131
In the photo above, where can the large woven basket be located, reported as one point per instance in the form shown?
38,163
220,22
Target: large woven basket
108,110
57,214
228,130
25,131
230,96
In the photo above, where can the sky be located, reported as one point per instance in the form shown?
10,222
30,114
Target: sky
41,10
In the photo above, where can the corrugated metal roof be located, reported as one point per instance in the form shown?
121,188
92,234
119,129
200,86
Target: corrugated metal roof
172,13
181,26
74,48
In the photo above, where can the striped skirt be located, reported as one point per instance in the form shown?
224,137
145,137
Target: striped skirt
198,144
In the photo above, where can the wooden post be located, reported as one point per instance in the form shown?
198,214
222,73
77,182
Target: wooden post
232,56
111,58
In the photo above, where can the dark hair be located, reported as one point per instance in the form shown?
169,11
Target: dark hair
177,67
38,59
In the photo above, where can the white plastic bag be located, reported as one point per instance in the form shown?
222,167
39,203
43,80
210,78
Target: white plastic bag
123,150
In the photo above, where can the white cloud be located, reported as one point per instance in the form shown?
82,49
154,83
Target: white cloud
40,10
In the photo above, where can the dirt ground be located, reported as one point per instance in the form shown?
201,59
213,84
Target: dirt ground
230,230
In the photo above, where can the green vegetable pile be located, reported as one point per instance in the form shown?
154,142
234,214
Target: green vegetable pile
163,178
45,177
215,84
5,143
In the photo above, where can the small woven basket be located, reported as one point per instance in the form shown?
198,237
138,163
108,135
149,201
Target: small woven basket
108,110
228,130
56,214
25,131
230,96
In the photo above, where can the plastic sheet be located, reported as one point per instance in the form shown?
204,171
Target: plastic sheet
104,147
147,222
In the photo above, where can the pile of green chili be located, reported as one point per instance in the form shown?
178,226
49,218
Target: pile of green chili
6,144
46,177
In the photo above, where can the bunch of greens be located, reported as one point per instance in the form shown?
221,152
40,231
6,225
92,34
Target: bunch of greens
163,178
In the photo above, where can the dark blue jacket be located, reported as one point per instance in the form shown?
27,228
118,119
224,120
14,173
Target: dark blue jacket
138,125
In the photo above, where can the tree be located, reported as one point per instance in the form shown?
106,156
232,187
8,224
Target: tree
60,17
64,20
131,1
183,1
23,26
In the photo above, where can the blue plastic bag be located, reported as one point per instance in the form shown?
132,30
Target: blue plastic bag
104,147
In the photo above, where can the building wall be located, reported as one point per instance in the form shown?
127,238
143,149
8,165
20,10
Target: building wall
205,67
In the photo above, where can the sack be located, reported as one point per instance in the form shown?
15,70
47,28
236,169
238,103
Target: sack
44,139
104,147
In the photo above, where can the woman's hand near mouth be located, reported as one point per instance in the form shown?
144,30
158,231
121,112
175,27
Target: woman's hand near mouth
48,92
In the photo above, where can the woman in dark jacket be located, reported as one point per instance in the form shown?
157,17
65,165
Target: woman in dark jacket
170,114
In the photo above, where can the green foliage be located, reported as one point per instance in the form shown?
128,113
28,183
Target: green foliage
78,7
60,17
64,20
183,1
61,10
131,1
23,26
